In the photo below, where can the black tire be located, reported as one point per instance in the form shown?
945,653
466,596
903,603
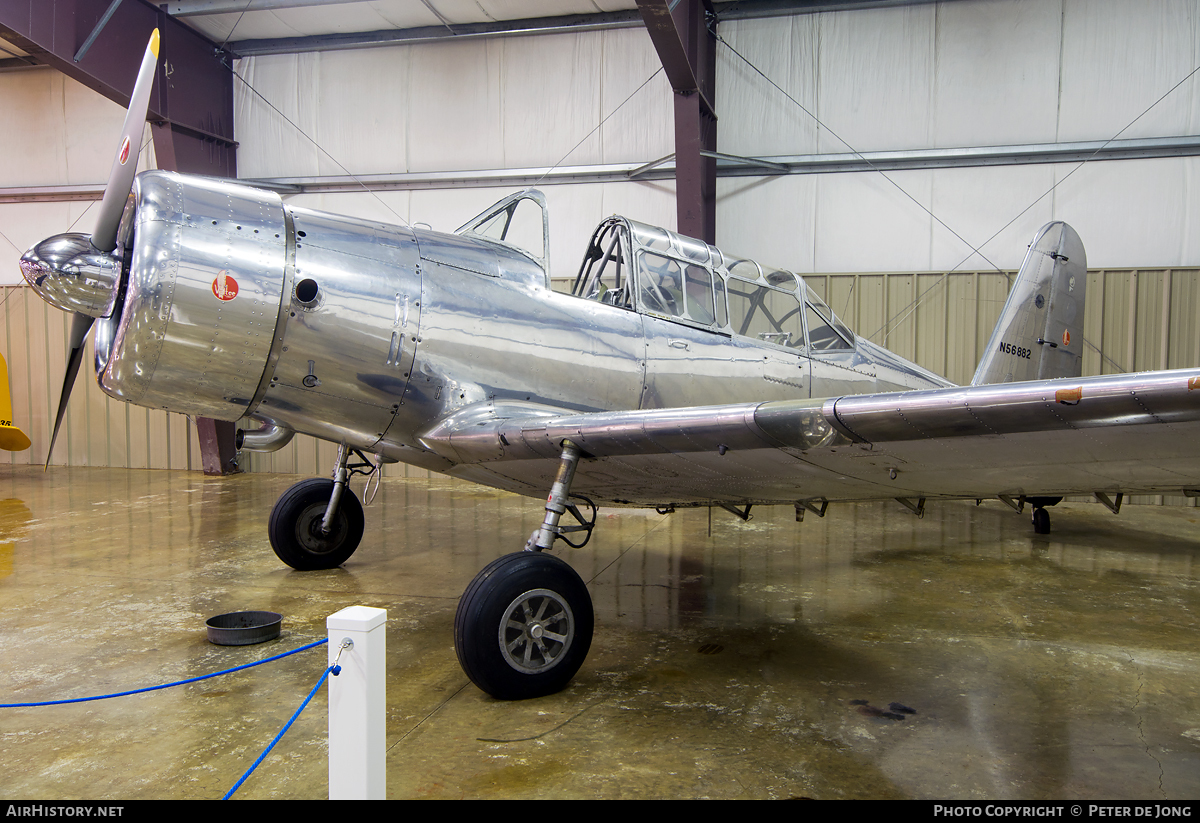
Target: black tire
546,643
1041,521
294,527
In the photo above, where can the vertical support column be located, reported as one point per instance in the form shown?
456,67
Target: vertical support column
687,49
164,146
357,704
217,448
695,173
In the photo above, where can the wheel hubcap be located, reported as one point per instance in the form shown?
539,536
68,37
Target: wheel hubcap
535,631
310,536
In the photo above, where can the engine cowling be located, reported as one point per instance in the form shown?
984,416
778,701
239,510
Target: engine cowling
202,297
234,304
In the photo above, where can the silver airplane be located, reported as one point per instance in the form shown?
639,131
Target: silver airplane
673,375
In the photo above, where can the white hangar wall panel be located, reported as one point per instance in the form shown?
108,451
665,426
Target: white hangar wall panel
1118,58
480,104
575,210
981,73
52,141
1128,213
520,102
978,73
45,111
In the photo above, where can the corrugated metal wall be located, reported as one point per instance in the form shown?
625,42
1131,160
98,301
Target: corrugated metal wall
98,431
1140,319
1135,320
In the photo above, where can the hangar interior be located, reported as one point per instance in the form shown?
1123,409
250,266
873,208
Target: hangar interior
759,659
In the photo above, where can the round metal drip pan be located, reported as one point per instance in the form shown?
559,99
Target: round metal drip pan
243,628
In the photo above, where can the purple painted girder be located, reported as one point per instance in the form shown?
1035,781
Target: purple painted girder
193,92
688,54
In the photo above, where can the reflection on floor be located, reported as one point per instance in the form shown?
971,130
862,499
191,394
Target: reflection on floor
866,654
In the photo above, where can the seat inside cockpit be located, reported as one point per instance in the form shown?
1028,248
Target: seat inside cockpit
604,274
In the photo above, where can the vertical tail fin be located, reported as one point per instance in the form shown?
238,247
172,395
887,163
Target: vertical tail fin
11,438
1040,332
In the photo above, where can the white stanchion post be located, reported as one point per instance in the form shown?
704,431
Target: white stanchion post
357,704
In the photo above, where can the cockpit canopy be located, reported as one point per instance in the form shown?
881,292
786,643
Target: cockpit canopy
661,273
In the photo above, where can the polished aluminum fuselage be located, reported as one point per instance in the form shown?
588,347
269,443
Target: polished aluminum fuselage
364,333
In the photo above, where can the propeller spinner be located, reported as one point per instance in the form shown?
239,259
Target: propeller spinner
78,273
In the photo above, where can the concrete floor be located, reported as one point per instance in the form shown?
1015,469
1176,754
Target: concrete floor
759,662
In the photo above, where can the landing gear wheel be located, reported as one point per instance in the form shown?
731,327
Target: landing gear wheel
295,526
523,626
1041,521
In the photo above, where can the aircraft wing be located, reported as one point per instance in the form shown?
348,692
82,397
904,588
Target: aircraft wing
1131,433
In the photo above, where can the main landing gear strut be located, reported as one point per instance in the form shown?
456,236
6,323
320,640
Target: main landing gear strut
318,523
524,625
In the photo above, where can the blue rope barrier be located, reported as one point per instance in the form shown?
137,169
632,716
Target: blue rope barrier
176,683
335,670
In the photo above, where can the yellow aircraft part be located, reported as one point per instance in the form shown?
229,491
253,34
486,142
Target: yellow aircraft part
11,438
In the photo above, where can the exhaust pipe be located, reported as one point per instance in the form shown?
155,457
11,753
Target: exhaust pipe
271,437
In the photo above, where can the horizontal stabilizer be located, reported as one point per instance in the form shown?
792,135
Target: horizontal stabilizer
1040,332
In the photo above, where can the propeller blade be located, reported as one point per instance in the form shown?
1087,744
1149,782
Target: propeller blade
120,179
81,324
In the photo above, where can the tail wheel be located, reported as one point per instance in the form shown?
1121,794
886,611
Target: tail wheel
295,526
523,626
1041,521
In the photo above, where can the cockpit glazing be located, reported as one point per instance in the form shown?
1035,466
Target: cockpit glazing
664,274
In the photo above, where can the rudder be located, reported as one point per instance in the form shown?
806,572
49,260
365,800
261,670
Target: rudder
1039,335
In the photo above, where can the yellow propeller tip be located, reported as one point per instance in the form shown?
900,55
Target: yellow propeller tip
154,42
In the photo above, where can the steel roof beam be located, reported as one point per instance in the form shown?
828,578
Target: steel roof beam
192,8
505,28
742,8
433,34
664,168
